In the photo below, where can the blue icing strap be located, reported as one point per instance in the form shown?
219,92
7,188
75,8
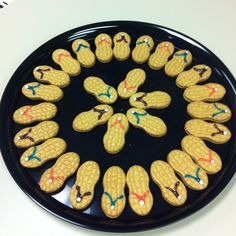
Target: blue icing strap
113,202
107,94
32,88
32,156
137,115
81,46
183,55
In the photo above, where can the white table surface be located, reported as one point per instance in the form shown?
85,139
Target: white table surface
26,24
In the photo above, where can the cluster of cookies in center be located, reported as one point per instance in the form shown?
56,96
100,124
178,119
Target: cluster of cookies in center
118,124
192,163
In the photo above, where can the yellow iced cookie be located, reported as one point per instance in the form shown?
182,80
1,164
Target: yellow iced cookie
172,189
103,51
98,88
54,178
38,91
83,52
213,132
141,52
113,198
37,155
193,76
82,192
161,55
177,64
29,114
114,138
33,135
86,121
67,63
121,48
46,74
209,160
152,125
217,112
129,86
140,196
211,92
156,100
191,174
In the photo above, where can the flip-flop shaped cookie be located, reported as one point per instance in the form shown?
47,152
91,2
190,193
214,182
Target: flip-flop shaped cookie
172,189
208,159
37,155
141,52
193,76
113,198
86,121
98,88
54,178
38,91
211,92
178,63
104,50
129,86
114,138
191,174
156,100
121,48
217,112
67,63
46,74
140,196
29,114
152,125
161,55
36,134
83,52
213,132
82,192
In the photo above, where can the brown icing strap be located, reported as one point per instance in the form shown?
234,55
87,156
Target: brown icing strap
41,72
122,38
101,112
219,131
26,136
140,99
174,191
200,71
80,196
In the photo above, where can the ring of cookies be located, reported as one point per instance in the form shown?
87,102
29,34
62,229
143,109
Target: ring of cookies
187,167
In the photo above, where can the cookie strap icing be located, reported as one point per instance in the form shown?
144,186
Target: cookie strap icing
101,112
175,191
104,40
122,38
113,201
165,46
213,90
81,45
41,71
196,177
209,159
140,99
220,110
200,71
118,122
32,156
26,113
127,87
61,55
182,55
32,88
219,131
140,198
137,116
107,94
144,42
26,136
80,196
53,178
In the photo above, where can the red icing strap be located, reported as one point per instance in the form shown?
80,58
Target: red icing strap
209,159
103,40
140,197
119,123
213,90
128,87
166,46
53,178
26,113
61,55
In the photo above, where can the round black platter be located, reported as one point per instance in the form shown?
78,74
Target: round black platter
140,149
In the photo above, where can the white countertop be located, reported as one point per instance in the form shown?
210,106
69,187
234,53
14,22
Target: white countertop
26,24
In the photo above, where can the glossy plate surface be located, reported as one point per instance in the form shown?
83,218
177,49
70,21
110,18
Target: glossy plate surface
140,149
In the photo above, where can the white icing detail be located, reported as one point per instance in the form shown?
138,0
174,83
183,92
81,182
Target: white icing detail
123,34
145,40
226,111
112,207
179,197
167,44
125,89
141,202
187,52
132,112
26,86
103,38
21,112
80,42
119,118
26,158
216,89
78,199
111,96
206,67
105,109
212,161
18,138
225,132
201,182
50,180
37,68
135,99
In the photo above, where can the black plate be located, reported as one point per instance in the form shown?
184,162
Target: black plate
140,148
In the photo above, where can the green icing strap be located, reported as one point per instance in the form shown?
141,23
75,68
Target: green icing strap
137,115
107,94
183,55
144,42
220,111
